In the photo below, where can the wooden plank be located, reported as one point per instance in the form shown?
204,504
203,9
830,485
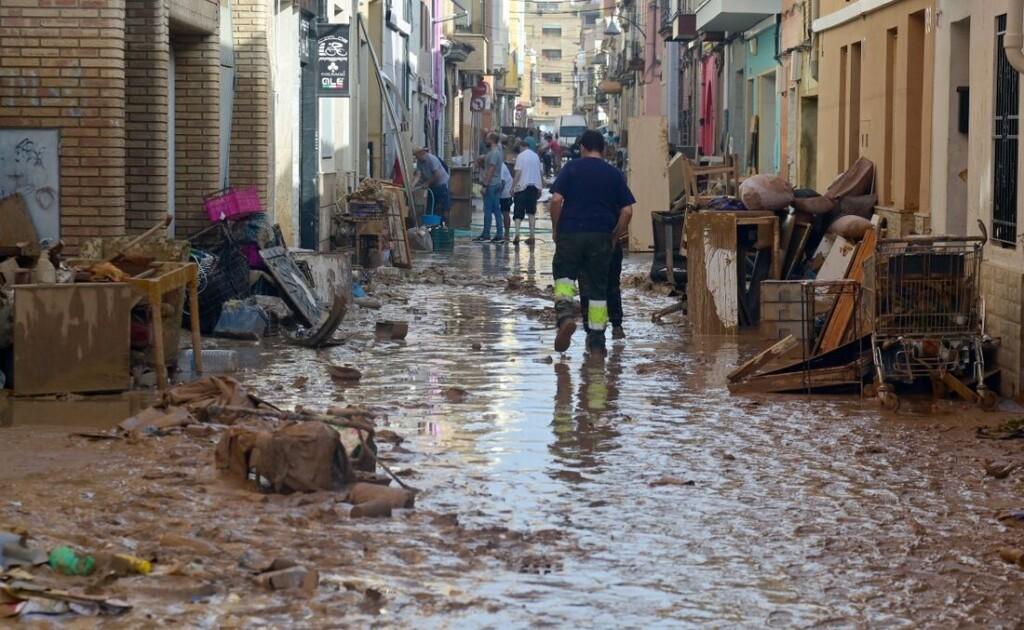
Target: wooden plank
957,387
835,331
837,263
712,289
797,244
395,213
850,374
648,177
763,358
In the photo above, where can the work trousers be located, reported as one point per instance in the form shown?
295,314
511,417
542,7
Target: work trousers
614,291
584,257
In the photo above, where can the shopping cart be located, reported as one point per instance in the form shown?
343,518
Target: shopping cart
927,315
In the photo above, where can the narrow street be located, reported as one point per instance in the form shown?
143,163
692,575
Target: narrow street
559,490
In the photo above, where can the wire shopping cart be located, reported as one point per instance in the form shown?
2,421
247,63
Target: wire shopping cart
928,314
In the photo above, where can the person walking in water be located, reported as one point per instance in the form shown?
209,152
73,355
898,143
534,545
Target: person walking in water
526,187
591,206
492,189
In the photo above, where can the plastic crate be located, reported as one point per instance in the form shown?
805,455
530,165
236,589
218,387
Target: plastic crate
229,204
366,210
443,239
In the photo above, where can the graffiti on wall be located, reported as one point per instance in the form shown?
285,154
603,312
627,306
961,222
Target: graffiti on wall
30,165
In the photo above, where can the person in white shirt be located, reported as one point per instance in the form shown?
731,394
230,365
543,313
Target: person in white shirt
526,189
506,197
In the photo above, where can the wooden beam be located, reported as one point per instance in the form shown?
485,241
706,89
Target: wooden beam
800,381
835,332
763,358
956,386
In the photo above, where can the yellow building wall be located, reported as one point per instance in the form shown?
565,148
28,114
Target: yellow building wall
884,116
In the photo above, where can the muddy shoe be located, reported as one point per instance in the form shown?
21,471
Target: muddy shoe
595,341
563,338
481,239
618,333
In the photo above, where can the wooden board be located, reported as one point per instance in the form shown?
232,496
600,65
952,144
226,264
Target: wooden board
763,358
395,213
677,176
801,381
16,229
835,331
648,177
293,284
837,263
712,289
72,337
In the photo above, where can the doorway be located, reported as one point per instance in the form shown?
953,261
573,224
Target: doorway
959,128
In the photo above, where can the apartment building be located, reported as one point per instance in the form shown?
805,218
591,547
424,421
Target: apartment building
552,28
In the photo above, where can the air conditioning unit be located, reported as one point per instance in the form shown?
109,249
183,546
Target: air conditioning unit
796,66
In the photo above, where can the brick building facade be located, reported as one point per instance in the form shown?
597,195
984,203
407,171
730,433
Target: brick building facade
134,88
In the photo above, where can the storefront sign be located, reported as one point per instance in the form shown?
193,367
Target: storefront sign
332,53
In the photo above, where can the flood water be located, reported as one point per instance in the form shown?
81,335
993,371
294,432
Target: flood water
624,491
800,511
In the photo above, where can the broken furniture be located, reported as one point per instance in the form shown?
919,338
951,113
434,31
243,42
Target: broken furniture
728,255
155,281
72,338
702,182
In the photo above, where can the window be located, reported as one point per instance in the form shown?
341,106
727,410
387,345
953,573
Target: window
550,77
1005,149
546,6
551,53
551,101
551,31
590,19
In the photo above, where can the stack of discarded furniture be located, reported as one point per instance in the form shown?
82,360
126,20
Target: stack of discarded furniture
377,212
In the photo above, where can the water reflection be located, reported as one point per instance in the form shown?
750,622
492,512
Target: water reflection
584,424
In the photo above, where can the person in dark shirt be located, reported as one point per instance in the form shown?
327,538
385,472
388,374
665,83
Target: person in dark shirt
591,206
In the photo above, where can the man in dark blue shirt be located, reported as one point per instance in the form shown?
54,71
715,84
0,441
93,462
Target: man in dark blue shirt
591,206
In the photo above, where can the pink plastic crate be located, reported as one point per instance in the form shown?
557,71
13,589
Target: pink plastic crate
230,204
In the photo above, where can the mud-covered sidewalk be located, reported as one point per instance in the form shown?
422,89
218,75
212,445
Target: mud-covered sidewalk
631,490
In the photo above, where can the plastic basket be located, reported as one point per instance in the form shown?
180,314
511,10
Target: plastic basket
365,210
443,239
430,220
229,204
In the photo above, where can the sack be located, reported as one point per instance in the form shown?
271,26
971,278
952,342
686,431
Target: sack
420,241
766,192
303,457
850,227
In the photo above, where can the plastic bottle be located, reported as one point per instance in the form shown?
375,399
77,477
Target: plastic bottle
69,562
123,564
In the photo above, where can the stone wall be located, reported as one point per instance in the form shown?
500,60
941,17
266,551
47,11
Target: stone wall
1003,290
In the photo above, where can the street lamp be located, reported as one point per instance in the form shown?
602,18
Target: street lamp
613,29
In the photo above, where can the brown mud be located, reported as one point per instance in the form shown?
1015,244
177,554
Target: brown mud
629,491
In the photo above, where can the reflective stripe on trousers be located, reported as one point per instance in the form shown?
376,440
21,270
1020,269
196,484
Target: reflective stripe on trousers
565,289
597,314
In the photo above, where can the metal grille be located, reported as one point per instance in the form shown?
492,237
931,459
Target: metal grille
1005,144
928,287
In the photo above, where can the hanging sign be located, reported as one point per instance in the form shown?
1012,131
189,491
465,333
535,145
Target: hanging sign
332,55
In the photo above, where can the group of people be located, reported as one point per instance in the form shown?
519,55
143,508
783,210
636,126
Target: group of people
591,207
505,190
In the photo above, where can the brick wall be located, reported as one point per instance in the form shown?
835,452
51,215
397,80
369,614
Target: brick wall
197,128
147,64
63,67
250,131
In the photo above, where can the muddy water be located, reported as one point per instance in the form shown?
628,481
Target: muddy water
630,490
801,512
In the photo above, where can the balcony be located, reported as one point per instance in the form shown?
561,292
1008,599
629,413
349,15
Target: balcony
476,60
734,15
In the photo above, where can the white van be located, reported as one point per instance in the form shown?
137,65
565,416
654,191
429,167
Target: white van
569,129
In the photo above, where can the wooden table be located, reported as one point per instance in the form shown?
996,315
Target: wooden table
153,282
